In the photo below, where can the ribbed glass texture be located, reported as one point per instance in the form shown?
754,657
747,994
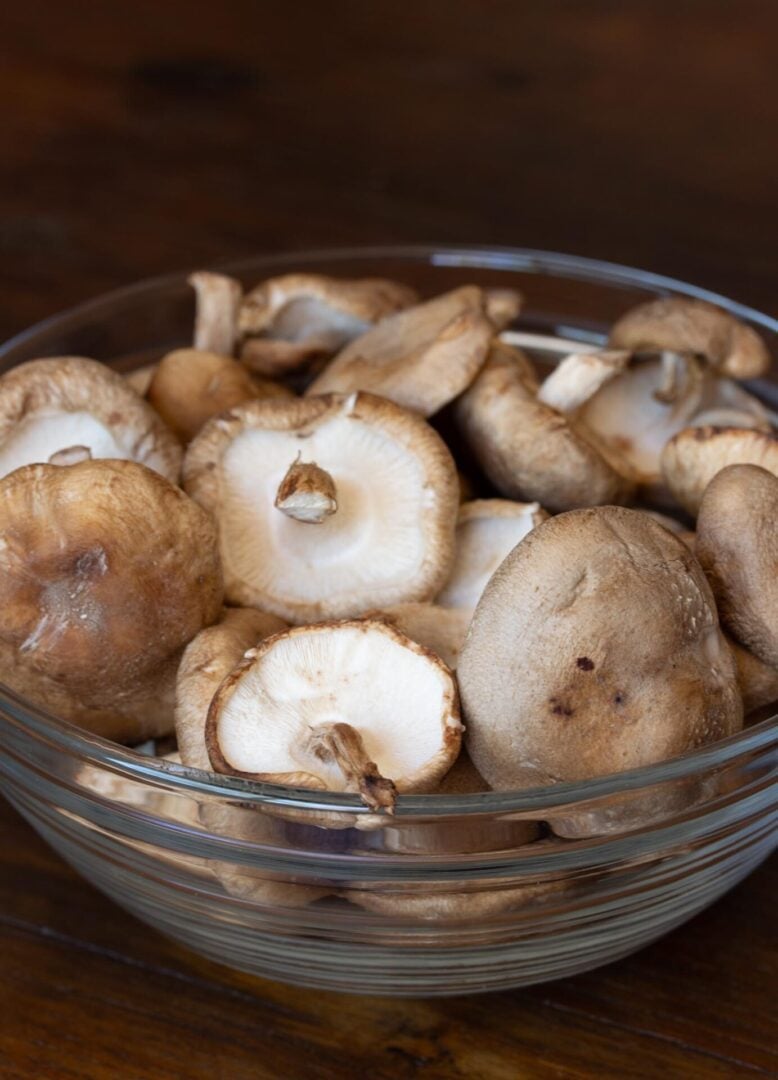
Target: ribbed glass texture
448,897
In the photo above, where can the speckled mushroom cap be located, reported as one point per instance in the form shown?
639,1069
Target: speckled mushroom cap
51,405
106,572
737,545
391,537
528,450
695,326
422,358
487,530
695,455
595,648
189,386
288,320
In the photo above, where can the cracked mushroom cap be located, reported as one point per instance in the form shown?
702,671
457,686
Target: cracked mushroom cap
47,406
189,386
694,326
108,571
487,530
289,320
696,455
528,450
327,507
349,706
737,545
421,358
635,413
595,648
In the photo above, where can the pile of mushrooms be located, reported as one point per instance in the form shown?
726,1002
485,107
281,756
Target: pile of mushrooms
601,600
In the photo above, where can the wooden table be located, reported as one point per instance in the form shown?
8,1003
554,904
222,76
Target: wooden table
141,137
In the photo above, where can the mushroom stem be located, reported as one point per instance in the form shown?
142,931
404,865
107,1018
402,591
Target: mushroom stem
674,368
343,744
307,493
70,455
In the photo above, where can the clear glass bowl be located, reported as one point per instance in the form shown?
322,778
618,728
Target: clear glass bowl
449,897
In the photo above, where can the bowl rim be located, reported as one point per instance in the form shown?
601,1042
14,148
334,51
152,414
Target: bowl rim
132,765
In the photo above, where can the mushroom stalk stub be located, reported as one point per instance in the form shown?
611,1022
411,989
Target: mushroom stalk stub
342,744
349,706
307,493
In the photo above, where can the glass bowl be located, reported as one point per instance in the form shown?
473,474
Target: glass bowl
456,893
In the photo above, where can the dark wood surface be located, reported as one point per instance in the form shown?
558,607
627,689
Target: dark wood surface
145,137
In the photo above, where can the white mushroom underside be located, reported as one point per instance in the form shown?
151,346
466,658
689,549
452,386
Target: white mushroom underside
394,697
482,544
308,317
35,439
372,544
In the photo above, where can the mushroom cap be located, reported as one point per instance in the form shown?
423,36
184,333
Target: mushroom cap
50,405
737,545
758,681
487,530
392,537
685,325
189,386
696,455
106,571
528,450
441,630
421,358
207,660
399,697
595,648
300,316
429,905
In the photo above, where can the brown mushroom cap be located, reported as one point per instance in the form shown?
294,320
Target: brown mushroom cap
758,681
206,662
189,386
50,405
695,455
293,318
391,538
684,325
529,451
108,571
595,648
421,358
737,545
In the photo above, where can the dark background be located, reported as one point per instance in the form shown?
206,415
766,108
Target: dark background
142,137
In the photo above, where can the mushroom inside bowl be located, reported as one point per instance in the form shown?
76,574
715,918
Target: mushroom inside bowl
457,892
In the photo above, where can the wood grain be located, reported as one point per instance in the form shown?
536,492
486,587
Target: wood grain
142,137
